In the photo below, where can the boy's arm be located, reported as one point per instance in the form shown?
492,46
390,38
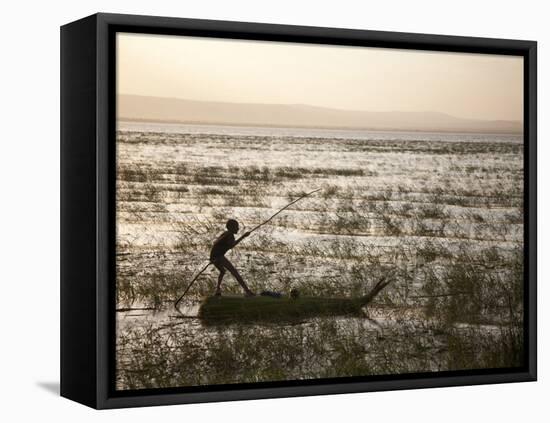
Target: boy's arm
241,238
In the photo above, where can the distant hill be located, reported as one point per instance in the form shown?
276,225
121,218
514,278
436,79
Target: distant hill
160,109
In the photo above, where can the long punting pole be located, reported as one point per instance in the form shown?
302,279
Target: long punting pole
252,230
284,208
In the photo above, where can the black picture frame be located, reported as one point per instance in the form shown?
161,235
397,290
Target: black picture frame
87,207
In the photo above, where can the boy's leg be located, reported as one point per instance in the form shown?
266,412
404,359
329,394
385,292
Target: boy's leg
219,286
220,267
229,266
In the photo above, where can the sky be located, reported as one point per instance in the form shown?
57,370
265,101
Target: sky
475,86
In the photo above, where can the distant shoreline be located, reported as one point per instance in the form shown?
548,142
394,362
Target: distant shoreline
336,128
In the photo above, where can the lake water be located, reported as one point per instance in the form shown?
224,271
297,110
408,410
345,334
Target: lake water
443,210
180,128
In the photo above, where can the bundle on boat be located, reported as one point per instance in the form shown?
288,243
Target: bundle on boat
238,308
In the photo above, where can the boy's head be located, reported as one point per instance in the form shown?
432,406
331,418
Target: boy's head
232,226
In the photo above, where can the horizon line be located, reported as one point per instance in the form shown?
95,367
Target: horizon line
340,128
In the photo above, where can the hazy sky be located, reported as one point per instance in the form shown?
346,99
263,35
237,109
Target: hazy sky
355,78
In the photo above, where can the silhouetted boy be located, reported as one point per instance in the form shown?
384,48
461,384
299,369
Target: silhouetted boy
222,245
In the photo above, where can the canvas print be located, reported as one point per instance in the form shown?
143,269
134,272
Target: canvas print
293,212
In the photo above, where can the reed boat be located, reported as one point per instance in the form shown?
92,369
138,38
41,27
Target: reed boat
268,308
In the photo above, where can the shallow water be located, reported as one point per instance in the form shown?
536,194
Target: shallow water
166,348
445,211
